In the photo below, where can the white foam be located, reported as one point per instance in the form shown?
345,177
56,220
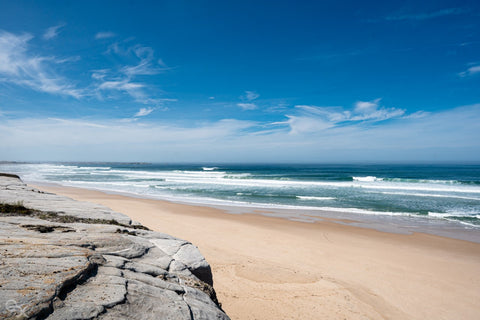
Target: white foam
217,178
367,179
314,198
172,182
440,188
431,195
37,172
364,211
453,214
404,180
94,168
466,223
439,215
446,216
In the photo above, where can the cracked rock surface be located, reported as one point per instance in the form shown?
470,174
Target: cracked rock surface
99,265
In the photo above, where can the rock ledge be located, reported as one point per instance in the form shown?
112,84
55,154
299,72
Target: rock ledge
64,259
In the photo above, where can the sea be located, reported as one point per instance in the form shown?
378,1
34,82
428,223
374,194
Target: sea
393,197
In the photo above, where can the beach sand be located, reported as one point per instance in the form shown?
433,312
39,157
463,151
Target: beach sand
271,268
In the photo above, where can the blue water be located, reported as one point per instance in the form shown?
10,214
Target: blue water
448,192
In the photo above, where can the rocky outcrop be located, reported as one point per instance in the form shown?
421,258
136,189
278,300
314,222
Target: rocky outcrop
63,259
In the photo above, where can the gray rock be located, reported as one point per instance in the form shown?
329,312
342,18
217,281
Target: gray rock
145,268
186,256
150,302
81,270
44,201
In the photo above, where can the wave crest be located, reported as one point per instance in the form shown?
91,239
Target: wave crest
367,179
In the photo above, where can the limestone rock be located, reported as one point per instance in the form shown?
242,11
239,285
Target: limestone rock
99,265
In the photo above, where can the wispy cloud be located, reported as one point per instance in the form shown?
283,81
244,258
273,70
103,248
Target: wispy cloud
438,135
144,112
123,79
247,106
314,119
427,15
104,35
307,124
52,32
251,95
371,110
101,138
19,66
248,99
146,65
470,71
366,106
121,85
99,74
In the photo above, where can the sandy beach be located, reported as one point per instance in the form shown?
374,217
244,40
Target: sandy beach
271,268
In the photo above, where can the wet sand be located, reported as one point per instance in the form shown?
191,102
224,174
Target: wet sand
272,268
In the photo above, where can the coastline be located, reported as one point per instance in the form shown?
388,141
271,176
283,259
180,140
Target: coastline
285,269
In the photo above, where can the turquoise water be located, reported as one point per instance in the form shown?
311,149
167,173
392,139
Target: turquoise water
447,192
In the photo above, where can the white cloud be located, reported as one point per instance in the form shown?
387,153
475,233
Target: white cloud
144,112
335,114
52,32
23,68
120,85
133,89
380,115
68,59
99,74
20,65
247,106
302,124
470,71
104,35
12,53
248,99
251,95
122,80
417,115
145,66
366,106
79,139
322,118
371,110
445,135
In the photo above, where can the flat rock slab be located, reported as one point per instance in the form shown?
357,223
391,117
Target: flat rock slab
17,191
78,270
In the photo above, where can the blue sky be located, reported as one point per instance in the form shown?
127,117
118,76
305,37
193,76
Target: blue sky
249,81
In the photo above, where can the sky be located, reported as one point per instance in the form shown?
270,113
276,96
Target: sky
240,81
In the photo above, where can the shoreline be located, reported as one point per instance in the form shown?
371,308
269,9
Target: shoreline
285,269
397,224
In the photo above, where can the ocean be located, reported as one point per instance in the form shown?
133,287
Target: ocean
417,193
